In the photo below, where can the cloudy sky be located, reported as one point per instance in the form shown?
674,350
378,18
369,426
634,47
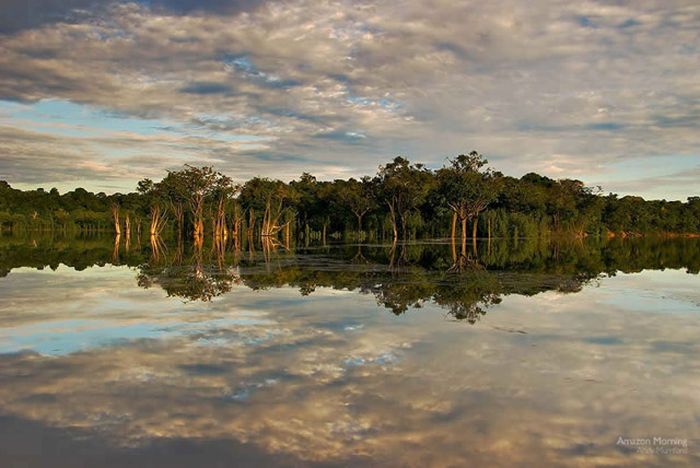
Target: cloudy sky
101,94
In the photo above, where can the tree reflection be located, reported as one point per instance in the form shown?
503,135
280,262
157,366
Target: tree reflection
401,276
200,278
470,296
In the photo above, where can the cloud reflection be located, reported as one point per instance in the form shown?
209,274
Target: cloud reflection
299,378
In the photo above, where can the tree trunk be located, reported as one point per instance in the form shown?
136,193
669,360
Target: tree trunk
198,229
155,215
237,234
180,216
453,238
127,226
404,227
115,251
474,227
464,236
251,224
117,224
488,248
236,229
220,221
395,228
266,214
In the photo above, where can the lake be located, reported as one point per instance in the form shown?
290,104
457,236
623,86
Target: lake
529,353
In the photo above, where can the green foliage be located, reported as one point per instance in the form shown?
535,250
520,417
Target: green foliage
258,195
403,187
465,187
402,199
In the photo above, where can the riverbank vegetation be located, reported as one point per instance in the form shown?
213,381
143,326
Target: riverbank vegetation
465,199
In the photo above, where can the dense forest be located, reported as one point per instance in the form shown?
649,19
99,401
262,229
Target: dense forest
464,199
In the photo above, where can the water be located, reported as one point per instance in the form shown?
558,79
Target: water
536,353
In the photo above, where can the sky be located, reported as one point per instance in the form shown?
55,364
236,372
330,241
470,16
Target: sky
102,94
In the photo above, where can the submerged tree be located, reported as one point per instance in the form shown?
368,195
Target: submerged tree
467,189
153,193
222,194
272,198
172,191
116,219
196,185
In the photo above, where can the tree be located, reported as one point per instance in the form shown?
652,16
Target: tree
272,198
152,194
467,189
171,192
358,197
309,204
222,194
196,185
403,187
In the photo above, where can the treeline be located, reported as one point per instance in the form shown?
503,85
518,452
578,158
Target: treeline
464,199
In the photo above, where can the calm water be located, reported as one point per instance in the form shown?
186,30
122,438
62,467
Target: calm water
534,354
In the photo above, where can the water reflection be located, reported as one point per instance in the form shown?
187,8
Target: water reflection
197,356
400,276
193,277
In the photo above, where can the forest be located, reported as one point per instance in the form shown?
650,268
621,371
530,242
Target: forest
463,199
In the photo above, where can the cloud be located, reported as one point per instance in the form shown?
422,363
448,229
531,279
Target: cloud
215,6
19,15
599,82
206,88
26,14
677,185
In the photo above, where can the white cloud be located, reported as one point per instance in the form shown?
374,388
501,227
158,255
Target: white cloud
524,83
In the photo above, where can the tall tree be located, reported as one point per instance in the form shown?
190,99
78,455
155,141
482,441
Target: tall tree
196,185
403,187
309,203
272,198
358,197
467,188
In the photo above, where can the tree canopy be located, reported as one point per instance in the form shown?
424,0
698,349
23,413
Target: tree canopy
403,200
